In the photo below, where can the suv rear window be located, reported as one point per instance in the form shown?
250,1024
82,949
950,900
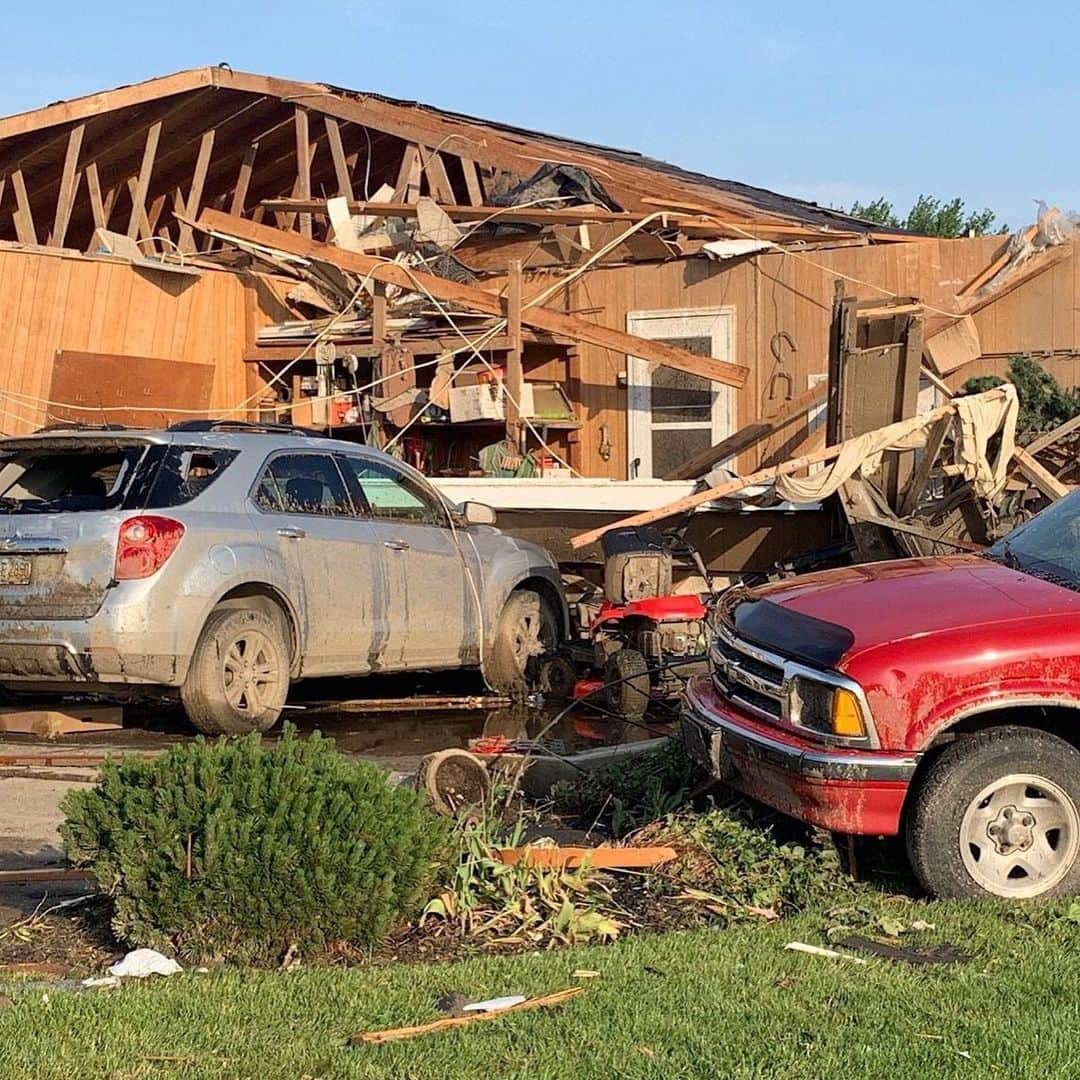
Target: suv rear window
67,476
186,471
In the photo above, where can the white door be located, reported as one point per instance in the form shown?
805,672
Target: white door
674,415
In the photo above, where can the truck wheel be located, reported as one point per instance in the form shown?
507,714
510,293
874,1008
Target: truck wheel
525,633
628,675
998,813
239,675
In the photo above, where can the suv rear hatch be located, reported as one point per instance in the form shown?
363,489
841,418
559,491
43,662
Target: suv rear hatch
62,499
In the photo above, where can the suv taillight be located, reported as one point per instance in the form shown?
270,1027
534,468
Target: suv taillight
144,544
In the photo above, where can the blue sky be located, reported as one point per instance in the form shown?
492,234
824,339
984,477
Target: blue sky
830,102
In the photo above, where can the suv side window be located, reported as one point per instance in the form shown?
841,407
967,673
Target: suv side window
303,484
391,495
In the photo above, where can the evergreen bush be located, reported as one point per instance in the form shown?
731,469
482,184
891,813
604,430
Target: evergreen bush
232,851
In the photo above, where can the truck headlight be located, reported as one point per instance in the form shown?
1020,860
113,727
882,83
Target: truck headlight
828,709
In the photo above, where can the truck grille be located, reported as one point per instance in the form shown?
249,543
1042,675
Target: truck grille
748,676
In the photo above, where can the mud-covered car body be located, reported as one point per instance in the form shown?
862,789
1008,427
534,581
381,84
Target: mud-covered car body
115,547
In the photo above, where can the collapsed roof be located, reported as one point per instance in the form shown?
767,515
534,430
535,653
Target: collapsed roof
132,158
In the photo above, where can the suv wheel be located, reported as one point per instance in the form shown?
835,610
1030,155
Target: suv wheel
525,633
998,813
239,675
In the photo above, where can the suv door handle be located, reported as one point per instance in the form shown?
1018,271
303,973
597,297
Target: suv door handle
292,534
396,545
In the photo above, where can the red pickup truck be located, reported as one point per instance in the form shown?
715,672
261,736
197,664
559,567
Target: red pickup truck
938,697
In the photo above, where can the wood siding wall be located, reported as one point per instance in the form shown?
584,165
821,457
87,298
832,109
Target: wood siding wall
50,301
791,293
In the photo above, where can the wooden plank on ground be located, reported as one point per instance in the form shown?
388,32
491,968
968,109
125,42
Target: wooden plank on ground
748,437
474,299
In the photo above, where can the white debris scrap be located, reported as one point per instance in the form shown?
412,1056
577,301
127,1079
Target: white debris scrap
143,962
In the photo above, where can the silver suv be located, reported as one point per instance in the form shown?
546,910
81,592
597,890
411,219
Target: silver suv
226,561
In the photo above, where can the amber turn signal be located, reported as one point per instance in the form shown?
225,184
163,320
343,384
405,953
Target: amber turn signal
846,715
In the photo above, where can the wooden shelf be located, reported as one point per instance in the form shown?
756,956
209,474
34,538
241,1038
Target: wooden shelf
553,425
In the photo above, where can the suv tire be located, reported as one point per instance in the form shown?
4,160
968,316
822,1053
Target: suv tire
525,633
998,814
239,675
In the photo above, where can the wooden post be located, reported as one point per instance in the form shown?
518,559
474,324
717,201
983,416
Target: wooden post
407,188
514,374
24,218
378,313
97,204
337,152
303,167
243,181
198,181
142,185
69,185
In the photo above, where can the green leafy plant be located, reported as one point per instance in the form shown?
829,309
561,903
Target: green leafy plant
733,866
519,904
626,795
231,851
1043,403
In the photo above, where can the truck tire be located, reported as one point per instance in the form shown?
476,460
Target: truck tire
998,814
239,675
627,677
525,633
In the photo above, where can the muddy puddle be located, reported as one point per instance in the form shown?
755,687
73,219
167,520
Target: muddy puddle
394,721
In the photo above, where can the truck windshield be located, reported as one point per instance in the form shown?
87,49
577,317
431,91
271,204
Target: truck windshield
1047,546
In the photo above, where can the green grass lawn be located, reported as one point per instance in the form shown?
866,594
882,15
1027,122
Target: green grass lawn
709,1003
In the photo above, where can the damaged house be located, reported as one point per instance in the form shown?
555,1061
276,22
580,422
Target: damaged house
569,332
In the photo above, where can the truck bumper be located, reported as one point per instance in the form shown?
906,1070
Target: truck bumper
835,788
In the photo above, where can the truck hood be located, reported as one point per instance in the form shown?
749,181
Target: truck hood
886,602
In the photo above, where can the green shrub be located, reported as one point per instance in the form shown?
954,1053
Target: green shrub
229,851
1043,403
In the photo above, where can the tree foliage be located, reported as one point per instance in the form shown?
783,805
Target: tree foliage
232,851
1043,403
931,217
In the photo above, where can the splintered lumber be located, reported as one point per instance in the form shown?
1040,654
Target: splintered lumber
1051,437
1041,477
762,476
749,436
470,298
391,1034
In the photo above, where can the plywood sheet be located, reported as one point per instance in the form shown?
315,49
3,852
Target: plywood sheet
137,391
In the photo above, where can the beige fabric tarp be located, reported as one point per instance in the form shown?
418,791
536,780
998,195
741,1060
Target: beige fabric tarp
977,420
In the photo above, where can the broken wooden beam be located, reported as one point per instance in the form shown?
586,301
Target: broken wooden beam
1040,476
471,298
748,437
739,483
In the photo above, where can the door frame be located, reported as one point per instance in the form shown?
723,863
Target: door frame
638,426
